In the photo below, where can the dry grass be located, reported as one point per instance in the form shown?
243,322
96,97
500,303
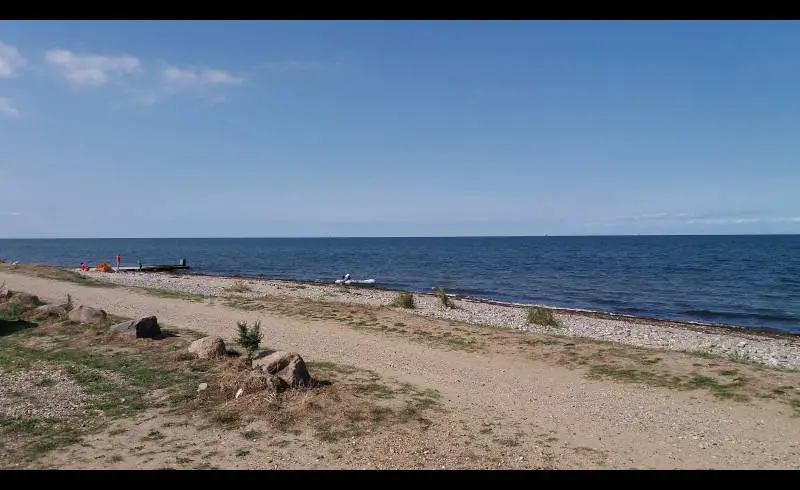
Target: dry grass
404,300
123,376
54,273
542,316
239,286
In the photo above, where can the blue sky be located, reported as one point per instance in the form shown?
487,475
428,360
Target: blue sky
176,129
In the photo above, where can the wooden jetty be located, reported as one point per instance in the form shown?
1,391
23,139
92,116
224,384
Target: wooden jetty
155,268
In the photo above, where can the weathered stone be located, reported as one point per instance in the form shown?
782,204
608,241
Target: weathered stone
143,328
47,311
208,347
24,300
288,366
87,315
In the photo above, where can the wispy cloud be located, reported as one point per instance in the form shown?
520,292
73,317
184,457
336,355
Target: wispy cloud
192,79
91,69
11,60
7,108
10,213
741,218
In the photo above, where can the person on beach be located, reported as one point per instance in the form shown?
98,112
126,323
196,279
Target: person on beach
346,277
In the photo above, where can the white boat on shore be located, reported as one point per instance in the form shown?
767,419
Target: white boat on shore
365,282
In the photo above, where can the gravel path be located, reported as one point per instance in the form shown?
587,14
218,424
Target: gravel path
775,351
625,425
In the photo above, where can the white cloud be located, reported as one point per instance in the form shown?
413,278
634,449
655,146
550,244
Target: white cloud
91,69
10,213
10,60
188,79
7,108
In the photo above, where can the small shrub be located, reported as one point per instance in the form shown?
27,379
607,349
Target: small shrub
240,286
542,316
69,306
404,300
249,337
444,299
11,313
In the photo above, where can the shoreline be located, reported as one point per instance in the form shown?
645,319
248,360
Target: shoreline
775,349
605,315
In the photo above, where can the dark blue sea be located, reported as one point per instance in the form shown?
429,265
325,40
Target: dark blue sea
751,281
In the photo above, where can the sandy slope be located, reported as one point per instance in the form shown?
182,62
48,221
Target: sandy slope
589,422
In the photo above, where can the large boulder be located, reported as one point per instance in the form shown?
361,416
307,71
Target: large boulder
87,315
50,311
143,328
208,347
288,366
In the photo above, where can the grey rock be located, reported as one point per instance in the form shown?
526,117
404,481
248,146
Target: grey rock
288,366
208,347
143,328
87,315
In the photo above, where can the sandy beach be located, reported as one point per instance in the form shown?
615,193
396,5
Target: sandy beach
594,393
776,350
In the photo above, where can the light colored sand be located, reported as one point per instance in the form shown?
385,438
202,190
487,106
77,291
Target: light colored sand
780,352
591,421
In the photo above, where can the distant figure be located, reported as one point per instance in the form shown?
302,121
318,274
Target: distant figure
84,266
183,262
139,262
118,260
346,277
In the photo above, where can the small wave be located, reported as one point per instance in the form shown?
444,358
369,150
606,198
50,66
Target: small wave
729,315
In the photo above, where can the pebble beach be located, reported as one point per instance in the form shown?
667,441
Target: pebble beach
748,345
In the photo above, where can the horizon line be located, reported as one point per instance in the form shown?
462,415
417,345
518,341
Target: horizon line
321,237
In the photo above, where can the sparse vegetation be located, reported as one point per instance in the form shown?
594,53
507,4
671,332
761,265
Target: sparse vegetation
55,273
249,337
444,299
404,300
542,316
11,313
239,286
68,305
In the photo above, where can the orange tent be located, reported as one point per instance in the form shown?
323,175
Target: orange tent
103,267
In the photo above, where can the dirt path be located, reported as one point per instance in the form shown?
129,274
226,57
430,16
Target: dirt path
557,416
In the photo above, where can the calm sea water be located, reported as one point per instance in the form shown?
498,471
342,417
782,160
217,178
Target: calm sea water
751,281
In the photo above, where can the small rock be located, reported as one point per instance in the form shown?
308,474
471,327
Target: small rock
208,347
143,328
202,387
288,366
239,393
87,315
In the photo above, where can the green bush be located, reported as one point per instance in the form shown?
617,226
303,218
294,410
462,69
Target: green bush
249,337
542,316
404,300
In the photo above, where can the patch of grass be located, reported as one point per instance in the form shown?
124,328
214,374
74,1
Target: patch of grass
225,418
45,382
375,390
542,316
11,313
239,286
115,459
252,435
240,453
695,381
167,293
404,300
56,274
444,299
728,372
